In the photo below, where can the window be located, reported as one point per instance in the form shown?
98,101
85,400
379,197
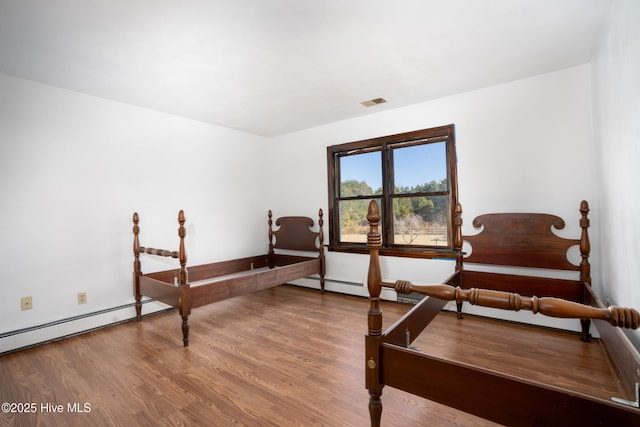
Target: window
412,177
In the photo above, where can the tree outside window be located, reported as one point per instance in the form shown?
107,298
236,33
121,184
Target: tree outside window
412,177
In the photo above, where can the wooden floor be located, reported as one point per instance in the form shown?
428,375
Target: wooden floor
287,356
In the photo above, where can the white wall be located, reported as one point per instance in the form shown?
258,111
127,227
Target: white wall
617,112
523,146
74,168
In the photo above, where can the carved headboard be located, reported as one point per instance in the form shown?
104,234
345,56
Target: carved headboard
526,240
295,233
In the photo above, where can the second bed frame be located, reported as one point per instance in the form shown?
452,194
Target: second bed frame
187,288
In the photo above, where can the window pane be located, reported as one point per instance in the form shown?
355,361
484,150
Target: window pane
420,221
361,174
420,168
354,225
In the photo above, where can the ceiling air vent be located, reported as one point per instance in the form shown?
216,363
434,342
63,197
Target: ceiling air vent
372,102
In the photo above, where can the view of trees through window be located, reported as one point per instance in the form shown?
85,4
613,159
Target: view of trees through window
419,206
412,178
418,220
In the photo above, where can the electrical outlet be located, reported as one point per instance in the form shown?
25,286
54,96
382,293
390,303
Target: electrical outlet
26,303
82,297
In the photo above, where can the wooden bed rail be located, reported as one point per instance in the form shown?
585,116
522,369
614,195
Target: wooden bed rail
137,249
160,252
555,307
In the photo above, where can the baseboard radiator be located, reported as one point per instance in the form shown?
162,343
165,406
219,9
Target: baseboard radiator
21,339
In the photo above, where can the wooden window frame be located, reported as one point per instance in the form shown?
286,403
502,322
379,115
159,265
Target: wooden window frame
385,144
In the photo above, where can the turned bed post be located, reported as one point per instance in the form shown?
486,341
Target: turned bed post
137,271
585,267
184,302
457,245
585,246
323,266
374,318
271,253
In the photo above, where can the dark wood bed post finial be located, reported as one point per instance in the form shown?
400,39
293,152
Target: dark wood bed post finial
271,252
137,271
183,281
374,283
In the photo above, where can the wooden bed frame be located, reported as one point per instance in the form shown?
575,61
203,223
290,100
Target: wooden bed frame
204,284
523,240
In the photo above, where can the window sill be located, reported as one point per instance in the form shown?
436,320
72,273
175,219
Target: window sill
396,252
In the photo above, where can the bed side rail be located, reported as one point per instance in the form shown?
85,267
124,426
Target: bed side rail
625,357
160,252
621,317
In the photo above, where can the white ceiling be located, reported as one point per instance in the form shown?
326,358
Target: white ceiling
271,67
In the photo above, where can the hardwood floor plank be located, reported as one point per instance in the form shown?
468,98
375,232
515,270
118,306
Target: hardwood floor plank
286,356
